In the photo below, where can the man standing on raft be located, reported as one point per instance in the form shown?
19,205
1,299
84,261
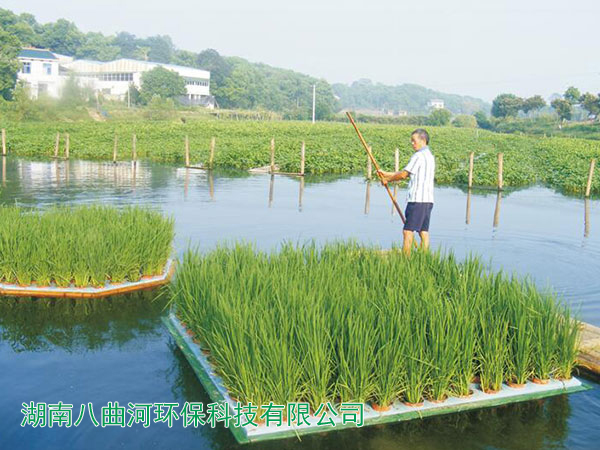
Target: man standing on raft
421,171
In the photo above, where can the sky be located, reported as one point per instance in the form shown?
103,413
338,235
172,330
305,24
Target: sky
470,47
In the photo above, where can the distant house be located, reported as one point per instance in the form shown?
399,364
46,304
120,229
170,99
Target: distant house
436,103
40,71
402,113
45,73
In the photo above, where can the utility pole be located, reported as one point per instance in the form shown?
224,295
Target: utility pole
314,101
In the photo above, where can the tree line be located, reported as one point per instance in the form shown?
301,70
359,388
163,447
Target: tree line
509,105
235,82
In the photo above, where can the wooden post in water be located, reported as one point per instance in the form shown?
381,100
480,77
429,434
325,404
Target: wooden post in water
116,144
67,145
586,218
212,153
302,160
588,188
57,144
272,155
3,142
468,214
368,198
187,151
500,166
471,157
397,161
134,149
369,166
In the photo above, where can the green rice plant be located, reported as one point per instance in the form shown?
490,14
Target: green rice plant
544,329
520,350
492,351
567,344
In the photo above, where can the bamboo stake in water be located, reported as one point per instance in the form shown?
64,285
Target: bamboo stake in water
500,167
133,149
272,155
115,149
67,145
588,188
471,157
57,144
3,142
187,151
212,153
302,156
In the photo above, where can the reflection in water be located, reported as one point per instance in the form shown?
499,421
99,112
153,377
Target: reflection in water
31,325
468,213
497,209
186,183
300,193
211,185
368,197
271,186
586,218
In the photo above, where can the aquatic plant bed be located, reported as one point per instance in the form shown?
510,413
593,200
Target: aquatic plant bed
346,323
83,251
398,411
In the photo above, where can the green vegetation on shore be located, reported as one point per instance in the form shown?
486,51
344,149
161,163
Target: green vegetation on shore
561,163
84,245
347,322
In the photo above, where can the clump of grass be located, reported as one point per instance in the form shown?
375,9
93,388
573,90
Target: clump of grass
349,323
83,245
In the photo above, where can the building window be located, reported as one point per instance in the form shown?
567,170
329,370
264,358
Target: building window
26,67
47,69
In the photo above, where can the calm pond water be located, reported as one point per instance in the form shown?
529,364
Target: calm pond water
118,350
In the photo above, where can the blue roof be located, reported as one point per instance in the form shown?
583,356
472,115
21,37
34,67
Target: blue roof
36,53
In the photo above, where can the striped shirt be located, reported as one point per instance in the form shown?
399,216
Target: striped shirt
422,171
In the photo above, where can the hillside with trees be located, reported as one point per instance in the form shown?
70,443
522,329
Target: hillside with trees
235,82
364,94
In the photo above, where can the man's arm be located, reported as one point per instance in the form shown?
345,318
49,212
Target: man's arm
394,176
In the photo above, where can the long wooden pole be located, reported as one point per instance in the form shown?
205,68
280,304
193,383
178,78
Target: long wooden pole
588,188
272,155
212,153
500,169
3,142
302,156
397,160
187,151
372,158
471,156
115,149
56,144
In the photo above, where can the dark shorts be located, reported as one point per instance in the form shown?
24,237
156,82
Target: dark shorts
417,216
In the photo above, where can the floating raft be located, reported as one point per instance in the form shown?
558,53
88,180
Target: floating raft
589,349
15,290
399,412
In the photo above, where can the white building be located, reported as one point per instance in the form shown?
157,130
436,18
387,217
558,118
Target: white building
40,71
436,103
46,72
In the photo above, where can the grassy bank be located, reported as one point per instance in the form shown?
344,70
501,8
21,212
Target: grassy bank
561,163
349,323
83,246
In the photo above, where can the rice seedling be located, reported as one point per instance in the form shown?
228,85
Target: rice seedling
84,245
345,322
